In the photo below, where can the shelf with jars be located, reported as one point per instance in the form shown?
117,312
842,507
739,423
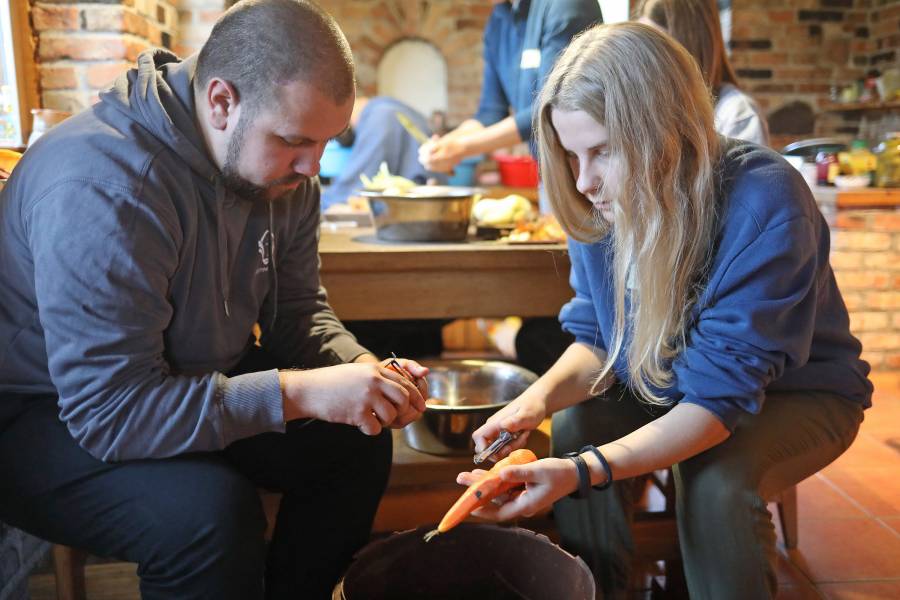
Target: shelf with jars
890,105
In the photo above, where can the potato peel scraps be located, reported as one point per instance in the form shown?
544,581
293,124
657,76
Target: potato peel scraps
386,183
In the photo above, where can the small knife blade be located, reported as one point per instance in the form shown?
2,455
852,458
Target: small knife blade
411,128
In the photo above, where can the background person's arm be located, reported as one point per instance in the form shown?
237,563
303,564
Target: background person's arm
444,153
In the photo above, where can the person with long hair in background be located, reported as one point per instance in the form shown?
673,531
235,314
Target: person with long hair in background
710,334
696,25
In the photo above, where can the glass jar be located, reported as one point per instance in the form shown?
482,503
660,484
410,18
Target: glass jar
887,169
827,167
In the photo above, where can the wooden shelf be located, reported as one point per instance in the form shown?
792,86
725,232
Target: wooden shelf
862,106
868,198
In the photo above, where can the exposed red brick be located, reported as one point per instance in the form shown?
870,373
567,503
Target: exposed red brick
100,75
880,341
104,18
891,360
49,17
885,221
89,47
863,280
58,77
209,17
782,16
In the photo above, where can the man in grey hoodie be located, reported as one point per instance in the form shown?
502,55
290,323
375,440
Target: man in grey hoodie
139,243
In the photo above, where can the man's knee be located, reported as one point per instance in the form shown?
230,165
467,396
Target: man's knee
217,516
375,457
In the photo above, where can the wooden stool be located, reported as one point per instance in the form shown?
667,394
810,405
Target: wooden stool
655,532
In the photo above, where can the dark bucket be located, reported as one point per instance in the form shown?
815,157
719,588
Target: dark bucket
472,561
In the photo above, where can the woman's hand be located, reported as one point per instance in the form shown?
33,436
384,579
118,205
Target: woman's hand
546,481
522,415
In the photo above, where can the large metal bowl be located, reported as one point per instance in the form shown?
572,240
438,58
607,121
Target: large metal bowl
427,213
464,393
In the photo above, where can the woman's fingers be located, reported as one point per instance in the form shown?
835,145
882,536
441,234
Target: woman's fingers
470,477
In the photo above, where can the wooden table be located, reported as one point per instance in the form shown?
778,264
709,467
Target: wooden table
369,279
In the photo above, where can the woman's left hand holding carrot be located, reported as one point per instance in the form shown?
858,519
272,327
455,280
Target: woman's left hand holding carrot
546,481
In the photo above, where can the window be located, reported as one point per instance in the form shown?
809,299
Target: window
18,85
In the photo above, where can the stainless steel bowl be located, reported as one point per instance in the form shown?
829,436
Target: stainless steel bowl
467,393
426,213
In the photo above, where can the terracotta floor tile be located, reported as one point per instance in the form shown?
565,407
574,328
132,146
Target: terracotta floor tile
788,573
877,489
818,500
797,592
883,419
867,451
893,523
833,550
862,590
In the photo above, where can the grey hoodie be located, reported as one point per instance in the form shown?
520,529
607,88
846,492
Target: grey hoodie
130,278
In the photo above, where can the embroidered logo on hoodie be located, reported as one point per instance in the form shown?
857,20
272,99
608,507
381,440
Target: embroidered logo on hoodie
262,247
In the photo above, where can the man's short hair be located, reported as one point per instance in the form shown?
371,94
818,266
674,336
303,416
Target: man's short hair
259,45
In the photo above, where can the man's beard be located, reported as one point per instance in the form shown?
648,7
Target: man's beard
242,186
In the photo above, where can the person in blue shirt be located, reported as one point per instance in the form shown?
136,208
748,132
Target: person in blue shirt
378,137
521,42
710,334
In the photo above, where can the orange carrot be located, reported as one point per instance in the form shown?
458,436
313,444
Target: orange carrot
482,491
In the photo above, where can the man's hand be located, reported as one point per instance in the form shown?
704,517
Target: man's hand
416,376
366,395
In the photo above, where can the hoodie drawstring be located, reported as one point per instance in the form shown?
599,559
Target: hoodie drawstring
223,243
273,272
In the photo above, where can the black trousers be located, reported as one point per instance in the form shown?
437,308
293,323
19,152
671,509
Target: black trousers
194,523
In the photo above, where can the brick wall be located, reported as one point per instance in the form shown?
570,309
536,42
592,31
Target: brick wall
788,54
83,46
195,21
455,27
884,28
865,256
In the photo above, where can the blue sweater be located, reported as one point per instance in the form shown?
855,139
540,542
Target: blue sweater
520,48
771,317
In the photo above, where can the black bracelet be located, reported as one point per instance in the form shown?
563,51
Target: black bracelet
584,475
603,463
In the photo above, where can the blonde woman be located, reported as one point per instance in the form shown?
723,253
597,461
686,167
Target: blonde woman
696,25
710,334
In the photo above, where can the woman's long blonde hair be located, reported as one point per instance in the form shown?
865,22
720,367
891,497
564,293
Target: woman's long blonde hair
647,91
695,24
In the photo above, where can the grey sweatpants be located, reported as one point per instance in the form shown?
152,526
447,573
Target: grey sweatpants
726,533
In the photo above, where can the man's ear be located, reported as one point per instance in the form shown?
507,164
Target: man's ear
222,100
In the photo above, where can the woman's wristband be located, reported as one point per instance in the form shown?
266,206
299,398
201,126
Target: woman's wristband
603,463
584,475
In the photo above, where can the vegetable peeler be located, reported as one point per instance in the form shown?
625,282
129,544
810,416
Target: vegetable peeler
504,438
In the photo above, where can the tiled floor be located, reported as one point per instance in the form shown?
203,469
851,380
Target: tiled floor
849,525
850,517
